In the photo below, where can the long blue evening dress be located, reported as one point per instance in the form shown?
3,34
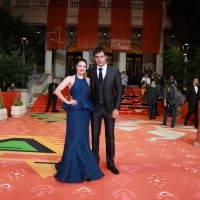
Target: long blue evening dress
78,163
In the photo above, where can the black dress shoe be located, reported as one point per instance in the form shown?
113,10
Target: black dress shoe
46,111
113,169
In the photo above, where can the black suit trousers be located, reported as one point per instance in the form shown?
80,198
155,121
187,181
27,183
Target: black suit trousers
52,97
96,119
192,108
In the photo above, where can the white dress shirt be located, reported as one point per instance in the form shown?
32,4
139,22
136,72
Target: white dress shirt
147,80
196,88
104,70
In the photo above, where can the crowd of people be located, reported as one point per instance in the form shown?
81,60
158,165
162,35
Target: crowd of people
11,88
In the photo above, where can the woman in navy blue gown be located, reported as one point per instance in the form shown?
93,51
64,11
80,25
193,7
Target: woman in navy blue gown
77,163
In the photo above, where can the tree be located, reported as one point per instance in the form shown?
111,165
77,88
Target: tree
185,20
184,16
12,30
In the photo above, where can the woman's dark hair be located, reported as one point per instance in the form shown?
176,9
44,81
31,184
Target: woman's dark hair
81,60
98,50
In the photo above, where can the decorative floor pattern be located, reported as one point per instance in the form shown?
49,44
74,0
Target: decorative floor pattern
49,117
154,163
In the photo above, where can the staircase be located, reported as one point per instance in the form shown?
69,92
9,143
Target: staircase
132,103
40,103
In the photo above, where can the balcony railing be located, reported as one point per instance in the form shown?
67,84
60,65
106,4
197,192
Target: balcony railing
72,3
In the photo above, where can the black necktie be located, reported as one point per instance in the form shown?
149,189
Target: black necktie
100,75
54,87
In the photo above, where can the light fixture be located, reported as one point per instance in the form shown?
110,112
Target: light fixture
71,32
185,50
105,32
139,35
24,43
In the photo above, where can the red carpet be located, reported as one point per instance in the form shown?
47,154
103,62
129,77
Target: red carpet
154,163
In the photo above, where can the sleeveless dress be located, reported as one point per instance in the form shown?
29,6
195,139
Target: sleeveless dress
78,163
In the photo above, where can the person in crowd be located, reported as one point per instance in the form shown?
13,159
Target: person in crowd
106,93
155,77
184,90
146,79
152,96
161,85
192,98
78,163
149,72
174,82
140,76
170,104
145,82
12,88
124,80
51,96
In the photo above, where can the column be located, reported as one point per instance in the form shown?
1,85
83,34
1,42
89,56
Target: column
159,58
86,56
60,63
122,61
48,61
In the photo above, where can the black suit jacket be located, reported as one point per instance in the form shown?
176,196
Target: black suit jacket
50,88
112,87
192,98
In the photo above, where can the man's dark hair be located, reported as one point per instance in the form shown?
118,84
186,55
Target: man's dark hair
168,82
98,50
195,78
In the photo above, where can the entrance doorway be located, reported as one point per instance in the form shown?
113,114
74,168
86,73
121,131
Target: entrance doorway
134,64
72,56
71,60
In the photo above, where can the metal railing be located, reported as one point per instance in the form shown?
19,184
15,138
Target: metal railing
72,3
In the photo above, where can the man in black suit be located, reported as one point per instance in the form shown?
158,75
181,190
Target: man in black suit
192,99
105,83
52,96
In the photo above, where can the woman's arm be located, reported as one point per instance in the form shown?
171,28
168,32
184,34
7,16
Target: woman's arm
67,81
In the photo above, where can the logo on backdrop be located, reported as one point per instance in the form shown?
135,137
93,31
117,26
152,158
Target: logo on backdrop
55,35
120,44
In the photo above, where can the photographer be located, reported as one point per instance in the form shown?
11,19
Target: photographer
157,78
12,88
144,83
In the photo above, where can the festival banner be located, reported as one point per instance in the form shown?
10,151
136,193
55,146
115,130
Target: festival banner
152,26
121,25
56,24
88,24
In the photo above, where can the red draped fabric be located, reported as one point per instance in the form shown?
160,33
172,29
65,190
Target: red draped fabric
121,25
152,26
8,100
56,24
88,24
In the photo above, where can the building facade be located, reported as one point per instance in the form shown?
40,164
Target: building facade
58,62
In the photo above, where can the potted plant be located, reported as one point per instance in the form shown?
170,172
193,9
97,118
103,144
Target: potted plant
18,109
3,111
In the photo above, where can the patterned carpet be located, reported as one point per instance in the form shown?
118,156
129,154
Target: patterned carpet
154,163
